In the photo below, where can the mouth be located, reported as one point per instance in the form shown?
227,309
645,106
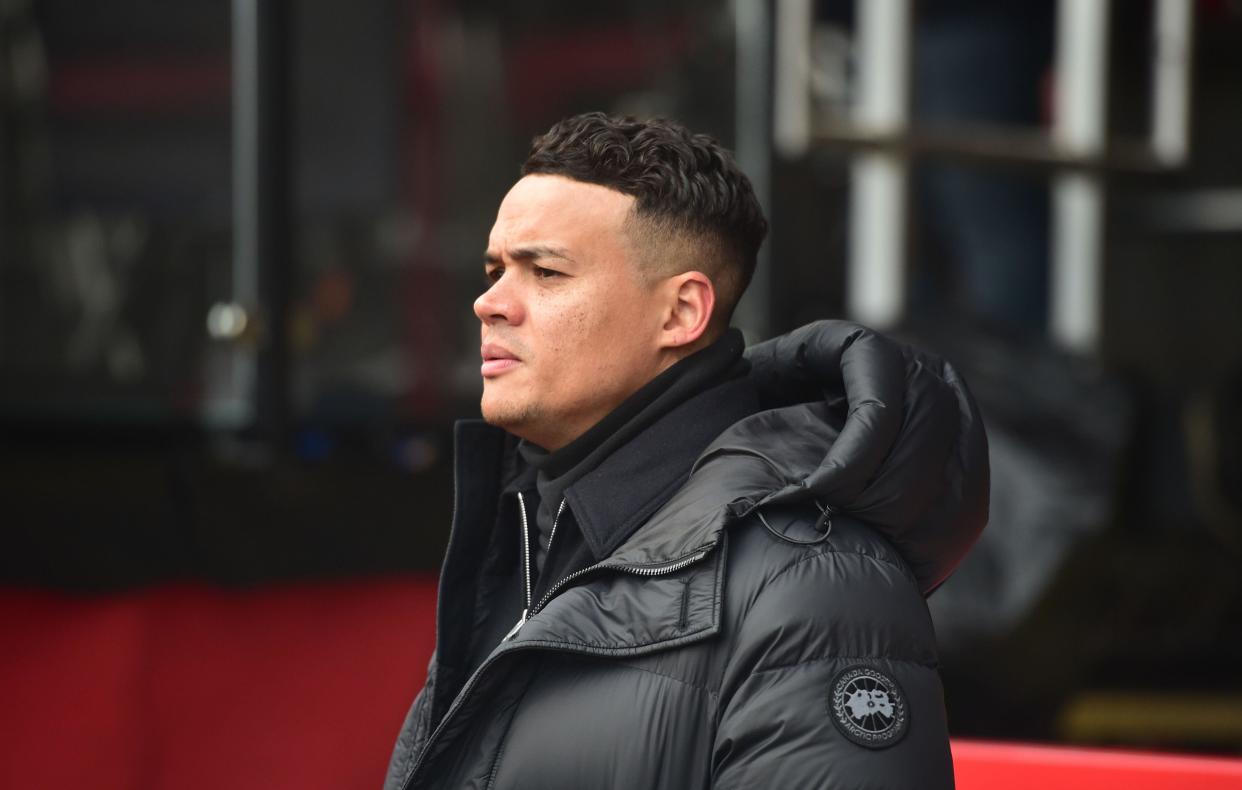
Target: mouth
497,360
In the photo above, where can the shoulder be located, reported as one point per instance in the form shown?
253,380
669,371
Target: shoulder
849,595
827,666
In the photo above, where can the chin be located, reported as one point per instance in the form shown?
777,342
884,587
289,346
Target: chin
506,414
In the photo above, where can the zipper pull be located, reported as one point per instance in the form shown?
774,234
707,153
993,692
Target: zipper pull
516,626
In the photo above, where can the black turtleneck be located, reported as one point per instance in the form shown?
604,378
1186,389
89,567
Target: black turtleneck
557,471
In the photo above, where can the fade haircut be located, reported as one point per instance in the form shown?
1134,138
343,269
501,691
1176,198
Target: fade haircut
694,210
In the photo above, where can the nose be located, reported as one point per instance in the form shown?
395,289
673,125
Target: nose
499,304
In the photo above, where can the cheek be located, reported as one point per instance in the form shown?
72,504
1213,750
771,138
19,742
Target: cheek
594,325
599,335
573,332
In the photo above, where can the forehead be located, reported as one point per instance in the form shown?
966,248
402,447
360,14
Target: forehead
559,211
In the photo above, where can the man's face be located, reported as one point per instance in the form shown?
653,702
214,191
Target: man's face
569,329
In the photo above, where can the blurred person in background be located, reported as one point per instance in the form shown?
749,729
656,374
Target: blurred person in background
984,64
676,562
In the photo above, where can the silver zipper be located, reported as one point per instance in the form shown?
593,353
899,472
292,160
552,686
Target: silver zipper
555,520
648,570
640,570
525,552
529,582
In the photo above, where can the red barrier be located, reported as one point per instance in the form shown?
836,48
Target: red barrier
305,686
192,687
979,765
70,692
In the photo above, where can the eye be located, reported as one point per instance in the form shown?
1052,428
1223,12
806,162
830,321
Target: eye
544,274
491,275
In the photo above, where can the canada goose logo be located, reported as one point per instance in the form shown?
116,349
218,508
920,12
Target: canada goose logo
868,707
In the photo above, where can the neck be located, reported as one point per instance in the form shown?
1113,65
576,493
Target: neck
569,433
693,372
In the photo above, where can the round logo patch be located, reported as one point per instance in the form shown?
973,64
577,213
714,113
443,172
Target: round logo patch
868,707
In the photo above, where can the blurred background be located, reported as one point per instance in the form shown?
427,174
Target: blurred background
238,247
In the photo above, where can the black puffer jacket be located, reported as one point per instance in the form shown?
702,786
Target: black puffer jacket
766,628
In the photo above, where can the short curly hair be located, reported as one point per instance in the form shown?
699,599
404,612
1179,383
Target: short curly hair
693,208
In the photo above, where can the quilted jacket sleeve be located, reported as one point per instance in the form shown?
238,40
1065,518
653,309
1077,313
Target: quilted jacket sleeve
833,681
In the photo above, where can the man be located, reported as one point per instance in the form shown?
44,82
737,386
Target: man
672,565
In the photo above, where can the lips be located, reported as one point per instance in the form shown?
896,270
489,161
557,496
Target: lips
497,360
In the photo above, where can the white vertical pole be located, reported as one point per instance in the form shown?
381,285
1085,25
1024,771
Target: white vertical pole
1077,218
880,178
1078,198
1172,45
883,65
877,239
753,86
791,101
232,368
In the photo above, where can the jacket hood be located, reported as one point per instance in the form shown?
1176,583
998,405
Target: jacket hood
852,421
876,429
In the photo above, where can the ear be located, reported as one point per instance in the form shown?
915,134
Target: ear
688,311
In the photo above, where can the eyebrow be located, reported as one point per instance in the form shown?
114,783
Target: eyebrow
531,252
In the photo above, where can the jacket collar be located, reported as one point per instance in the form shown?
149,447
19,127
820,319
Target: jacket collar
663,518
669,572
613,500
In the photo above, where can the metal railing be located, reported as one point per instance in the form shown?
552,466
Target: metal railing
1076,152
